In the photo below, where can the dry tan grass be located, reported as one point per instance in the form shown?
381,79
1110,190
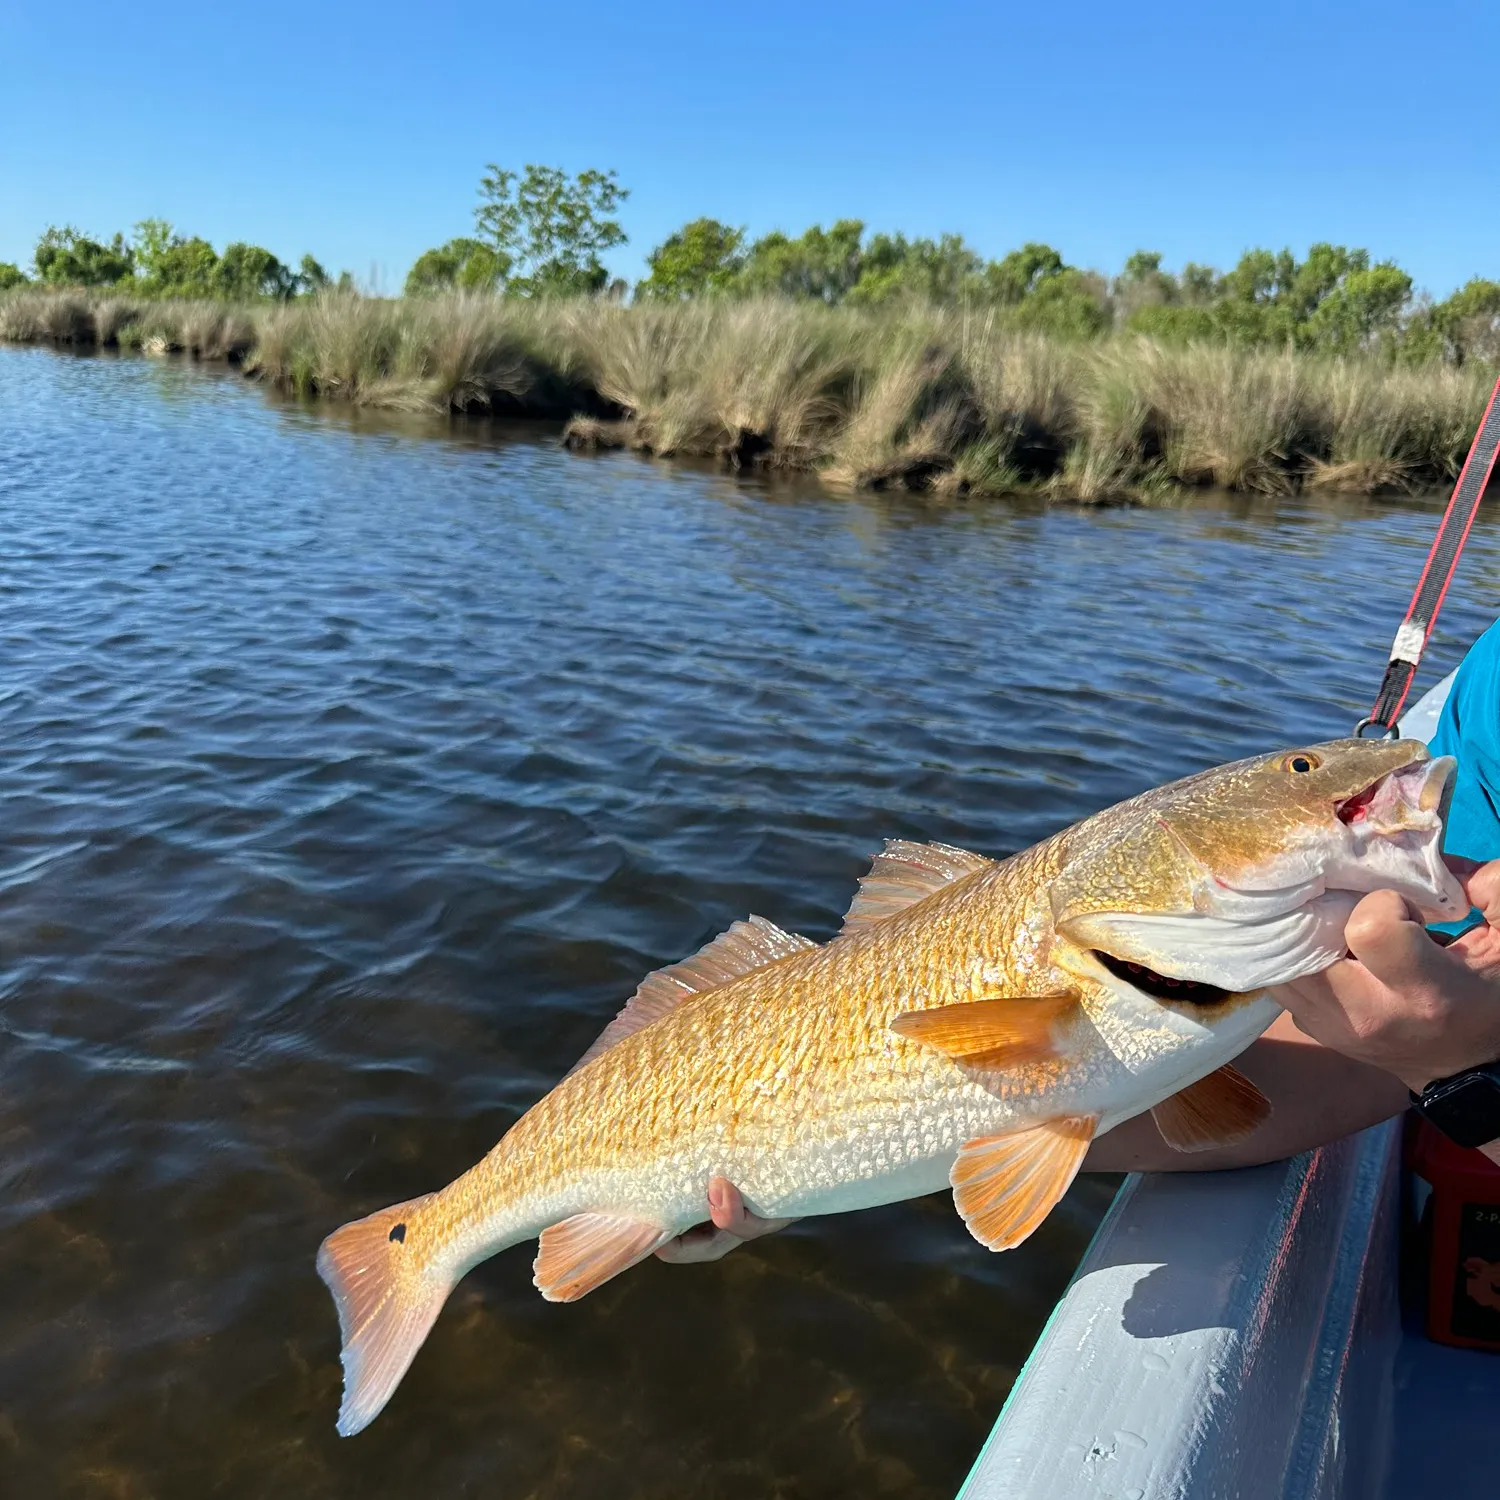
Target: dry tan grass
903,422
773,387
916,398
1223,416
597,435
1392,429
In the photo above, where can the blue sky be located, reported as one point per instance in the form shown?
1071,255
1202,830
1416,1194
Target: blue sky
359,133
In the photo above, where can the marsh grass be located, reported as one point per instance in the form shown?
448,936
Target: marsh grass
203,329
920,399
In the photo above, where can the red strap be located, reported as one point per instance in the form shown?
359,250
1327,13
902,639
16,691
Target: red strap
1437,572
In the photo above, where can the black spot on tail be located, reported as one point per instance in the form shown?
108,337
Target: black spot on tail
399,1234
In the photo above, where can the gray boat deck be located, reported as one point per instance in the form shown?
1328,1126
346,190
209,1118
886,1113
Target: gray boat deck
1446,1401
1238,1336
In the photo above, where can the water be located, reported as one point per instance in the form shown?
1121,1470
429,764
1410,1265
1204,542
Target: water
353,773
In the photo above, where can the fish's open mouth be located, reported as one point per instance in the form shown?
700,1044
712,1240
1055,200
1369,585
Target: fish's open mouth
1353,809
1425,788
1393,836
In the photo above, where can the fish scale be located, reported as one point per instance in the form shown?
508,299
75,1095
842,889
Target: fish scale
764,1078
963,1027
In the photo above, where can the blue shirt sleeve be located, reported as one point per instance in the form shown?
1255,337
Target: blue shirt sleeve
1469,730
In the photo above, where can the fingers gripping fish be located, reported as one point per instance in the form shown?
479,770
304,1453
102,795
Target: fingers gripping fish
975,1024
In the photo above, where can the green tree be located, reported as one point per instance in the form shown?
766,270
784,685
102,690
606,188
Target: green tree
1142,283
1320,275
1175,323
170,266
1199,284
1335,299
1143,277
190,268
246,272
460,264
701,258
12,275
942,271
64,257
1260,276
549,228
823,265
1022,272
1142,265
1259,299
153,239
1362,308
1468,323
311,277
1070,304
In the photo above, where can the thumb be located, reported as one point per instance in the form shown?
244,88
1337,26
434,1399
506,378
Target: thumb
1385,932
1483,888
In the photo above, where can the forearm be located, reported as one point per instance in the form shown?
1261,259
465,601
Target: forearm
1316,1095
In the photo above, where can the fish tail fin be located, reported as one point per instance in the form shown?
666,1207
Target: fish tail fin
389,1288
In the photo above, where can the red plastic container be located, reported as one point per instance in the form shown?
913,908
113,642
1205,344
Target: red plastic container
1463,1213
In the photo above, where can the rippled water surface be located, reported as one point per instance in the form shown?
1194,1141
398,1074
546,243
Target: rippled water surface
351,775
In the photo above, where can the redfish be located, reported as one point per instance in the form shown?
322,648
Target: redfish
975,1024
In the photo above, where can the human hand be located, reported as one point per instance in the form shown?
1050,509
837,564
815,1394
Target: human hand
730,1224
1400,1000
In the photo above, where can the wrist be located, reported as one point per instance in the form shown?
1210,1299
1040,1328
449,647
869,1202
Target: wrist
1465,1106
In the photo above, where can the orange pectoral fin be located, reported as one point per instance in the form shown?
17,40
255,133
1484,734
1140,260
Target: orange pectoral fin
1005,1185
583,1252
1216,1111
989,1033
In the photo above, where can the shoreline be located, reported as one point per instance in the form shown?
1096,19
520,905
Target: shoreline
921,400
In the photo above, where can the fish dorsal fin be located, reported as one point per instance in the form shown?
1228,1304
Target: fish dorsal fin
1216,1111
903,874
989,1033
583,1252
744,947
1005,1185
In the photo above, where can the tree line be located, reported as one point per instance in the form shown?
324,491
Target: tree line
158,262
542,232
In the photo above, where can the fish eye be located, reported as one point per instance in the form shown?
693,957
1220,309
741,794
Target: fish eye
1302,761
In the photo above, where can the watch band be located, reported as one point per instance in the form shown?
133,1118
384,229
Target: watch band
1465,1107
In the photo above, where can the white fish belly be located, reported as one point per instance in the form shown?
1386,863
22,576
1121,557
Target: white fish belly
899,1150
886,1152
901,1145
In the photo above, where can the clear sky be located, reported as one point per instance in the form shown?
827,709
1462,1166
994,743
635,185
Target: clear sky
359,132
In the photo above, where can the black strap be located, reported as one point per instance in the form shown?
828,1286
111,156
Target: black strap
1437,573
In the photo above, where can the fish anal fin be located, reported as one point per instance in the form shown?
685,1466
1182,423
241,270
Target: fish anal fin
1005,1185
741,949
990,1033
1216,1111
904,873
387,1297
583,1252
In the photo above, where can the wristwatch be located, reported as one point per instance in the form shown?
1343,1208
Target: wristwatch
1465,1107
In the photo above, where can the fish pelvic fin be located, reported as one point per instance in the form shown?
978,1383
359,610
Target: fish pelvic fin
388,1296
990,1033
1005,1185
585,1251
904,873
1216,1111
739,950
